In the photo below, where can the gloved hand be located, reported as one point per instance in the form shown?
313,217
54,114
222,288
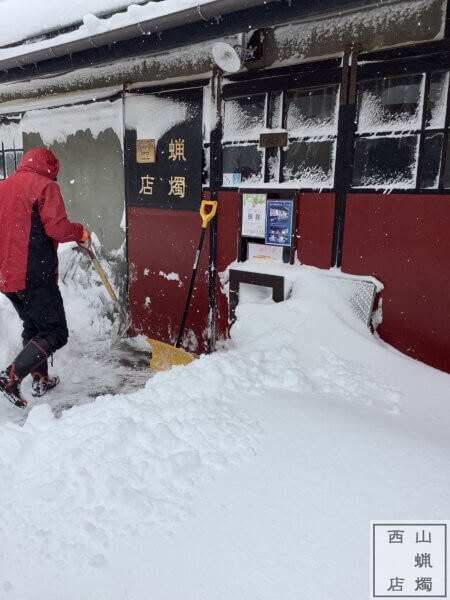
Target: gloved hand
86,235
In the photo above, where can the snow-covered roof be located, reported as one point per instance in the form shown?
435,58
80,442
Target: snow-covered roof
75,30
24,19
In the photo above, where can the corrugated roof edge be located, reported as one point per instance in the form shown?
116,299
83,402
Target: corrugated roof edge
201,12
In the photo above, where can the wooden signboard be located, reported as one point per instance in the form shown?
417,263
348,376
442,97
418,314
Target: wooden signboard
172,178
277,139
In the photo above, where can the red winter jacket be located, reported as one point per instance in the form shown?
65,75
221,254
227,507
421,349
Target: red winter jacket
32,222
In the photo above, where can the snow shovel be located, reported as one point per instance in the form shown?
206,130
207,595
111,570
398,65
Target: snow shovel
123,320
165,356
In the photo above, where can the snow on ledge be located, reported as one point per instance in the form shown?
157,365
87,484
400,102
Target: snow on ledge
293,272
56,124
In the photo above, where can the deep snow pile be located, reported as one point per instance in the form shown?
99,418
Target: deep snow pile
251,473
122,464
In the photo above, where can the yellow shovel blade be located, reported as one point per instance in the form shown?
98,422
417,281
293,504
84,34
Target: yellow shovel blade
165,356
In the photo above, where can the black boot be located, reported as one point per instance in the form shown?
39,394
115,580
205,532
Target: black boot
43,383
42,368
26,362
10,387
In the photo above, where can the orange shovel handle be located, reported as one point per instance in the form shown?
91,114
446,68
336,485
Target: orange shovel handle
208,216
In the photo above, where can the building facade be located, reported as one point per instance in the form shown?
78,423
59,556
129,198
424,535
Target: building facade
342,104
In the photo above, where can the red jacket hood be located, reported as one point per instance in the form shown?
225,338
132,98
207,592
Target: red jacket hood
40,160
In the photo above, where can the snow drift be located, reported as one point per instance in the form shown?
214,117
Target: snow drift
216,480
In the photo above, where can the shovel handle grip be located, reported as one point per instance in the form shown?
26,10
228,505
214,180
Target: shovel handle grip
87,247
208,216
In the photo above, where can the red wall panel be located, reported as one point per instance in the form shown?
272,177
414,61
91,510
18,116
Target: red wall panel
162,240
404,240
315,228
165,240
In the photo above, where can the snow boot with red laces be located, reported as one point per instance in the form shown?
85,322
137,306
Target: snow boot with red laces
43,383
10,387
26,362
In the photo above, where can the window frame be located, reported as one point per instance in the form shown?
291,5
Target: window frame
420,132
269,94
249,141
3,151
425,58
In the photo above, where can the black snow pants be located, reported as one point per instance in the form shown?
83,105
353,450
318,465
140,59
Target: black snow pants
41,310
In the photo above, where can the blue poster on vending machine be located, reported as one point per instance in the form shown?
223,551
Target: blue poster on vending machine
279,222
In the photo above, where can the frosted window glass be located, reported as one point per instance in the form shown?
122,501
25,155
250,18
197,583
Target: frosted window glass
390,104
431,160
243,160
437,101
312,112
244,118
310,163
386,162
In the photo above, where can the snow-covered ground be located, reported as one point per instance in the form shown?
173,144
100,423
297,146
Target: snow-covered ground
250,474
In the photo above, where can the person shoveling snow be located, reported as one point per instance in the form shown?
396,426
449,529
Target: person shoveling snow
33,221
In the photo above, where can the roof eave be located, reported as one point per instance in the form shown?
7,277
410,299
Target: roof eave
200,12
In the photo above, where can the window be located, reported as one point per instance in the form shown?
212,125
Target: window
400,140
385,161
311,112
431,159
9,160
310,163
244,119
400,133
391,104
244,160
310,119
389,110
11,151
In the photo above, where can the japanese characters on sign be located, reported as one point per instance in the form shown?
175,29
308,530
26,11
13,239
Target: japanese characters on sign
176,150
279,222
176,184
254,215
409,559
264,252
147,185
173,179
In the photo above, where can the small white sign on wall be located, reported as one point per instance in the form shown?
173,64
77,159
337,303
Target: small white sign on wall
231,179
254,215
263,252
